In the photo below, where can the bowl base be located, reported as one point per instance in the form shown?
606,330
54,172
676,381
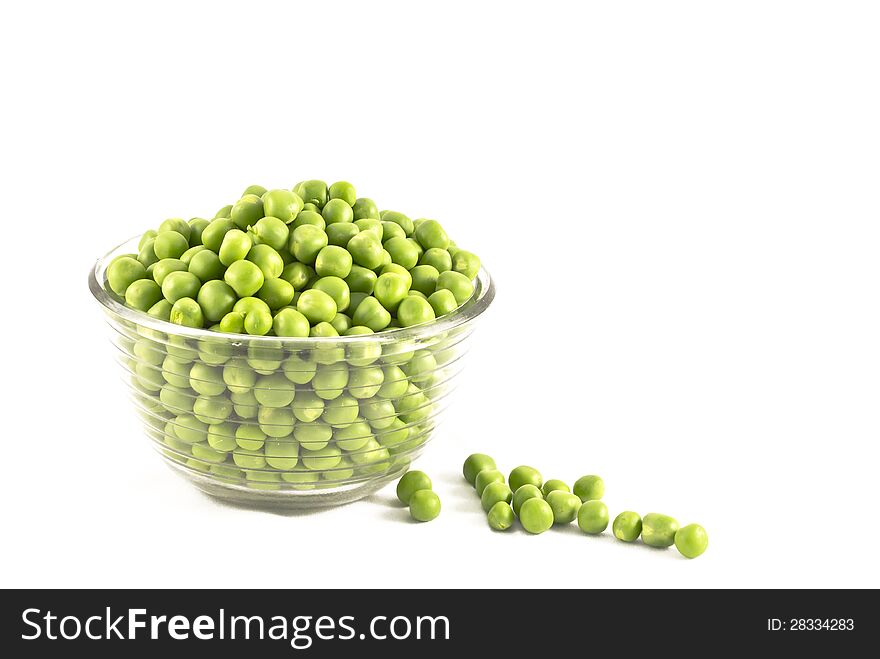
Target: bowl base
287,500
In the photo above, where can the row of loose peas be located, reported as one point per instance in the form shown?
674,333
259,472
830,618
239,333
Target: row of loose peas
540,504
313,261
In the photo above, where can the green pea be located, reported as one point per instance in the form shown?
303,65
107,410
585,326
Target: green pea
244,277
394,434
424,505
493,493
341,233
238,376
246,211
160,310
430,234
235,247
222,213
410,483
176,400
461,286
309,217
216,298
442,302
297,369
297,275
147,235
307,406
398,218
169,245
247,459
419,294
419,249
554,484
360,280
221,436
283,204
187,257
187,312
308,206
197,226
366,250
336,211
212,236
627,526
258,322
691,540
414,310
466,263
317,306
313,436
326,329
378,412
364,208
274,390
250,437
402,252
206,266
244,404
439,258
658,530
341,323
340,411
592,517
391,230
523,494
486,476
345,191
356,299
397,270
330,381
333,261
189,429
276,421
313,192
536,515
267,260
147,255
281,453
177,224
370,225
589,488
271,231
320,459
232,323
258,190
212,409
424,279
474,464
142,294
523,475
365,382
565,506
290,322
180,284
500,516
124,271
276,293
336,288
370,313
421,367
390,290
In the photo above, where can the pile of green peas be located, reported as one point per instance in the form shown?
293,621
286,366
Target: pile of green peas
314,261
541,504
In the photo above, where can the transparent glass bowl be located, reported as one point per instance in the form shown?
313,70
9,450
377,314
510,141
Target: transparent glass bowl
288,422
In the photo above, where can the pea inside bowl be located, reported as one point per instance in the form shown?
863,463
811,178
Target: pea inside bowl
297,349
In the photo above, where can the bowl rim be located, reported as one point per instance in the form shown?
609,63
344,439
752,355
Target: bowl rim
483,296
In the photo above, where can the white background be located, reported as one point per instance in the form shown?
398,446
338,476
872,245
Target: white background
678,201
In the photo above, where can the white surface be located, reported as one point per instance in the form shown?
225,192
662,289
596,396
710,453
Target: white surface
679,204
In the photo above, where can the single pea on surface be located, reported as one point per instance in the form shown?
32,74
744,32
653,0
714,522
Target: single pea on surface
524,475
593,517
589,488
691,540
536,515
627,526
565,506
500,516
659,530
474,464
410,483
424,505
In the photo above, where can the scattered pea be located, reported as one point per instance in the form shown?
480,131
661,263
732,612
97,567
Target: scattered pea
474,464
658,530
691,540
424,505
627,526
410,483
523,475
500,516
589,488
535,515
592,516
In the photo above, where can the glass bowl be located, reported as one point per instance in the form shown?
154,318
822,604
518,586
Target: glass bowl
282,422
